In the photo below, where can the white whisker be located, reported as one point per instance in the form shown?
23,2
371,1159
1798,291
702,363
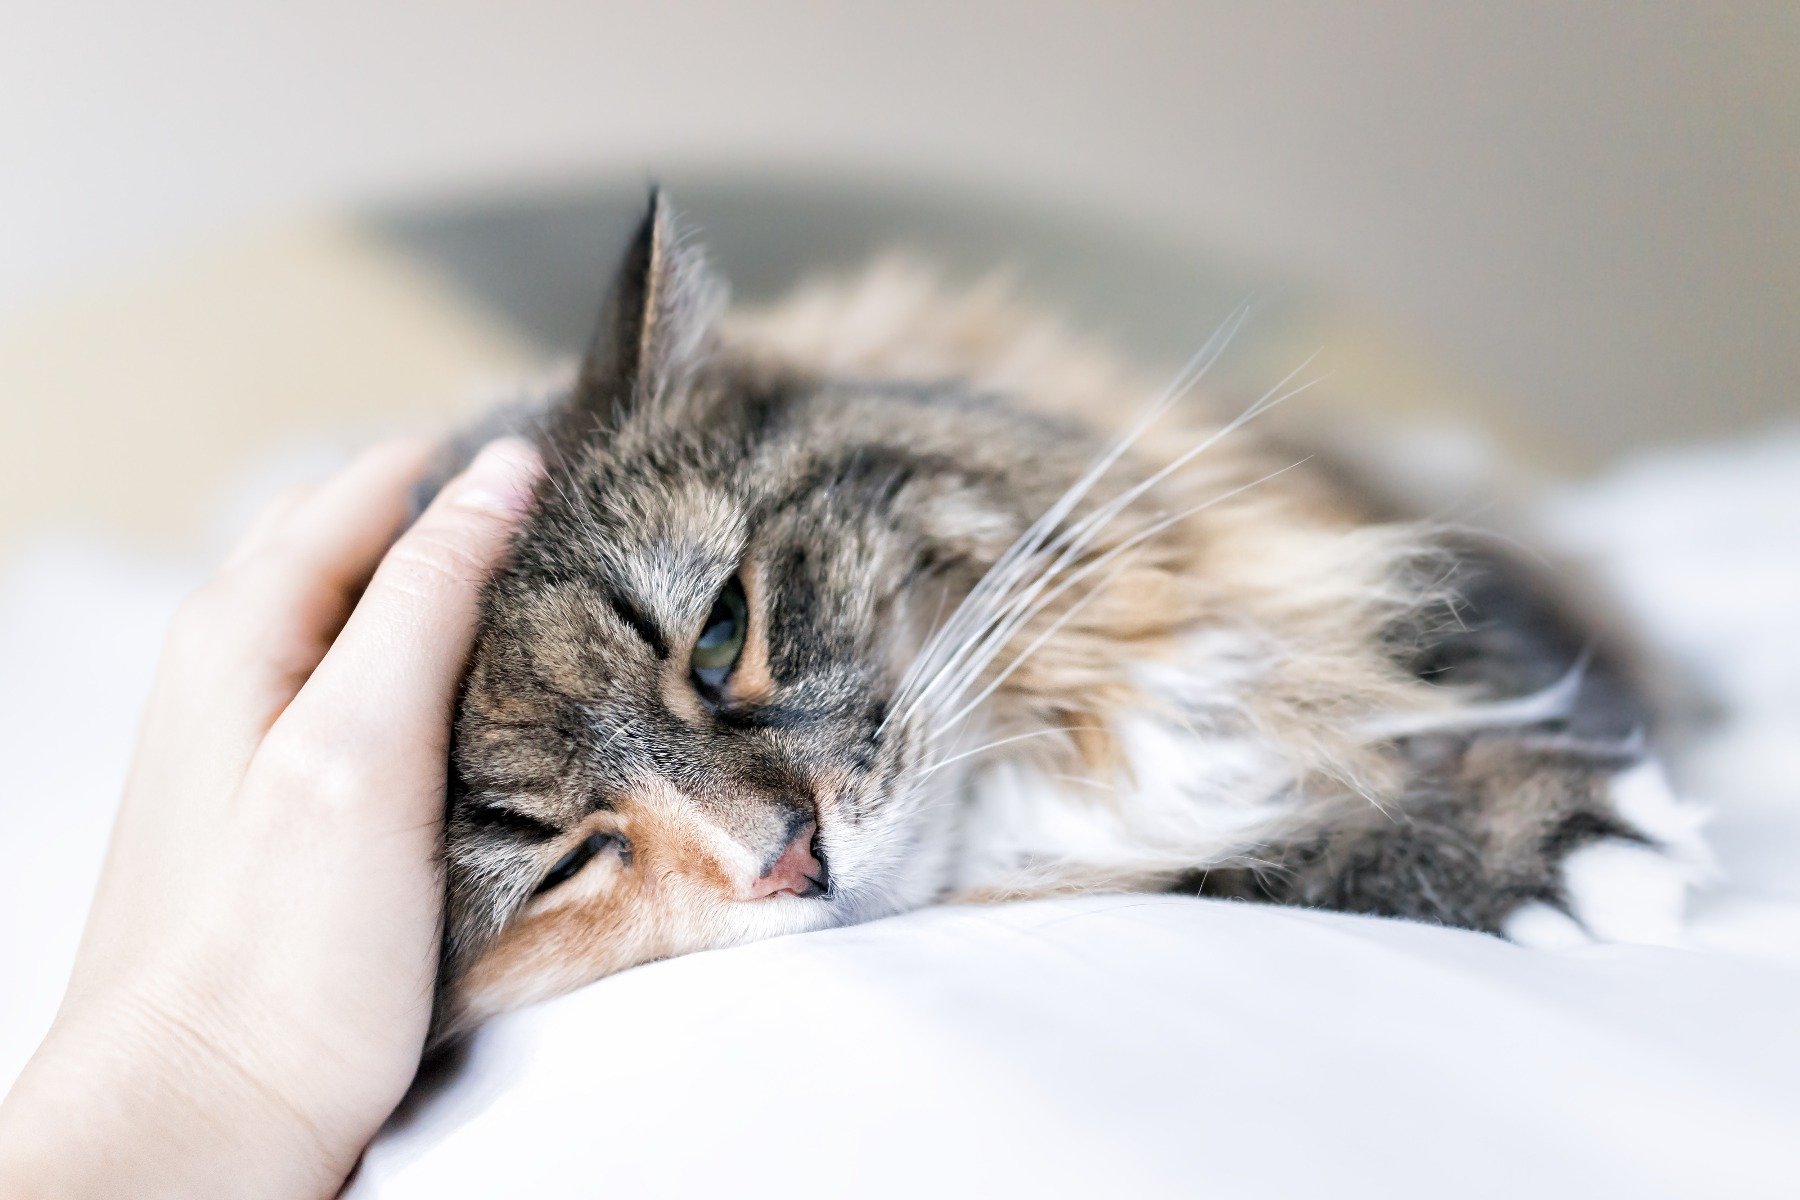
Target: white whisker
1081,536
998,742
1018,660
1124,547
1001,574
1075,540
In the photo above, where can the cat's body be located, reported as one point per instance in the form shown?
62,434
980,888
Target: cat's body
884,596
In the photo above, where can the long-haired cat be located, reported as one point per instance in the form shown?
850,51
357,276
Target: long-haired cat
884,597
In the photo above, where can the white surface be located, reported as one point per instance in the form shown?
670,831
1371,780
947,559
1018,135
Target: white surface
1131,1047
1144,1046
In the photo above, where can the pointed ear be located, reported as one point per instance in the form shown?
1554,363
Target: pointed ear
654,326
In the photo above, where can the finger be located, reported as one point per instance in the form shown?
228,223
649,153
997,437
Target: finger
244,644
379,705
269,517
309,565
253,634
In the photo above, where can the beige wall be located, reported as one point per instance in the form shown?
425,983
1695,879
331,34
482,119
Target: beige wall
1591,206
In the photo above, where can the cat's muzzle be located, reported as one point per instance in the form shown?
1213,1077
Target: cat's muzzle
799,870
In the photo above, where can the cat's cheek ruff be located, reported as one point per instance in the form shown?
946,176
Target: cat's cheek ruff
1188,779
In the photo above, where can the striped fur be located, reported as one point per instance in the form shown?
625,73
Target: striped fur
1019,624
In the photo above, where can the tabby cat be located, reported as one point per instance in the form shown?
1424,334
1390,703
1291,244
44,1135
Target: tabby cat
887,596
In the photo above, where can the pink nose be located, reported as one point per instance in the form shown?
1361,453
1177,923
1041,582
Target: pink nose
799,871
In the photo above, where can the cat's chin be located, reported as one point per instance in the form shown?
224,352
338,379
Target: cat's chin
893,867
912,887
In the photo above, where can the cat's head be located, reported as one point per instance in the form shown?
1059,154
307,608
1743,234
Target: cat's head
679,728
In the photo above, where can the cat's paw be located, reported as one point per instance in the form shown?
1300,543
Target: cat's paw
1621,889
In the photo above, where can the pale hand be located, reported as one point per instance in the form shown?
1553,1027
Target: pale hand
251,995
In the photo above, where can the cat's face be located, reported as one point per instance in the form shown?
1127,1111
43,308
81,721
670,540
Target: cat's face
677,743
678,731
672,734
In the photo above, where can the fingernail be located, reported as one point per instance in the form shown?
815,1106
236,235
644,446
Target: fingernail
502,477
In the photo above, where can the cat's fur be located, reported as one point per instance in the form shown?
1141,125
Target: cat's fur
1014,629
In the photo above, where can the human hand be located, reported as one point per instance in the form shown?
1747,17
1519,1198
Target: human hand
253,988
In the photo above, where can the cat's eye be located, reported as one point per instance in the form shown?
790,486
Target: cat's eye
721,638
570,864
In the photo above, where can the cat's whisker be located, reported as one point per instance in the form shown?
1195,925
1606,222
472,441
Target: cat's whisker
1268,400
1055,626
1075,540
1001,628
1017,557
1005,741
1194,370
1098,785
1074,577
936,616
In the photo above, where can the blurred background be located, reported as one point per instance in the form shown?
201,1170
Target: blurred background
230,230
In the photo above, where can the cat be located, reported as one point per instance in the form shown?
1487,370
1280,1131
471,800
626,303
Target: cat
889,595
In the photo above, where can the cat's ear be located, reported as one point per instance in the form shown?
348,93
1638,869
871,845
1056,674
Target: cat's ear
655,324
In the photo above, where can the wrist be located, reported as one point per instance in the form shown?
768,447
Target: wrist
139,1106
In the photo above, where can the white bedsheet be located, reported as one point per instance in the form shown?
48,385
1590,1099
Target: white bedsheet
1131,1047
1112,1046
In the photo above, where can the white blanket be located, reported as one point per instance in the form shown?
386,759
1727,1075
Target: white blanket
1111,1046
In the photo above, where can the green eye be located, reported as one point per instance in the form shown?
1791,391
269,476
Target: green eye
722,637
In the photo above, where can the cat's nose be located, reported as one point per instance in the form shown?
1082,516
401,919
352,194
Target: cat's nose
799,870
